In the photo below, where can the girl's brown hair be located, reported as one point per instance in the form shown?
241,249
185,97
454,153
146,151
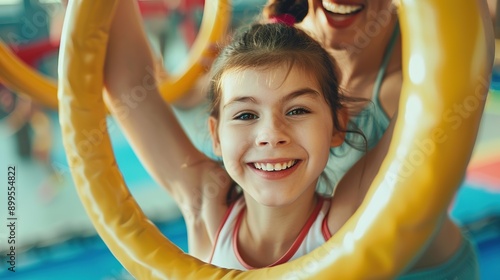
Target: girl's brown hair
267,46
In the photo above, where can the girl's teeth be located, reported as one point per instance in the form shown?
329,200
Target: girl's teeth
341,9
275,166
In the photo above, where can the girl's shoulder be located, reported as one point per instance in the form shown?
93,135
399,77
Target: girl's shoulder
205,209
390,92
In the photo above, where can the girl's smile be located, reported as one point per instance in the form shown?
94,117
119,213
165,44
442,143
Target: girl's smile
275,169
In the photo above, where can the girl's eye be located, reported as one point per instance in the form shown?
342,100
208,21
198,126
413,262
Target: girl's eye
246,116
298,111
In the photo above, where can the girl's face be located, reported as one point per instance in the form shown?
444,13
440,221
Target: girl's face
348,24
274,132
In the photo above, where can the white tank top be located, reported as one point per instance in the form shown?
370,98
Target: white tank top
313,234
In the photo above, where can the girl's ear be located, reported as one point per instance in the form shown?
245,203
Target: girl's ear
338,137
212,127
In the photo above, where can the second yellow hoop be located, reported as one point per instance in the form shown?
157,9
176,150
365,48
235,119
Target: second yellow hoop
21,78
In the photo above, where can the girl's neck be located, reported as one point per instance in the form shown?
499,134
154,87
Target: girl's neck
266,233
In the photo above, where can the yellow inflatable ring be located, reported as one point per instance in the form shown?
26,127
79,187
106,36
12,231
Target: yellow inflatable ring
21,78
445,63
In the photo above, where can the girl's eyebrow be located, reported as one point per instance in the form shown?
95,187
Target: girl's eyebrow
240,99
292,95
301,92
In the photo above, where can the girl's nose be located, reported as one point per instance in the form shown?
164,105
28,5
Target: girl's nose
272,133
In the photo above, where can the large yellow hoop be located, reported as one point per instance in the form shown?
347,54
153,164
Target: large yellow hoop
446,62
21,78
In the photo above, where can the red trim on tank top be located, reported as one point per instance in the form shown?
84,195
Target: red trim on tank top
295,246
324,227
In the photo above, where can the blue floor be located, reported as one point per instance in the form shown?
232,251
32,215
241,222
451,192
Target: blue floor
489,258
88,257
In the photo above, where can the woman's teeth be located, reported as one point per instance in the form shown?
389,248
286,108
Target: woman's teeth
341,9
274,166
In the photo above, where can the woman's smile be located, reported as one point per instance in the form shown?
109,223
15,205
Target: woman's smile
341,9
341,15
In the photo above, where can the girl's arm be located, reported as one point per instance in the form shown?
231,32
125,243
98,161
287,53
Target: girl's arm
154,132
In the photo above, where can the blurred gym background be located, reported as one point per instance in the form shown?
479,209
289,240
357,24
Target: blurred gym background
54,237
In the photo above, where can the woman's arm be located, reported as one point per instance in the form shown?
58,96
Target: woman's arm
152,128
352,188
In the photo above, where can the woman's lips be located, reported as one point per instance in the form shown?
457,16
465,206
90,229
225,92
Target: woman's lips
341,15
